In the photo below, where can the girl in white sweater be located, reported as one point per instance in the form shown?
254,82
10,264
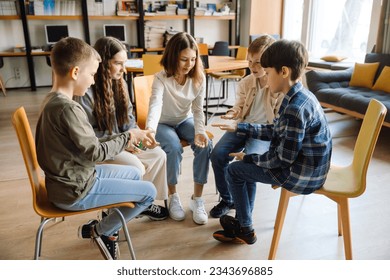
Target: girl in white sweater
176,112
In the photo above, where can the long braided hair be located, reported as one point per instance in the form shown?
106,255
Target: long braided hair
111,97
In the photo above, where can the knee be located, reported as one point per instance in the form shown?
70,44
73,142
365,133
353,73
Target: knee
218,156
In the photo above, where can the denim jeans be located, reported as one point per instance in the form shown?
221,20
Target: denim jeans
230,142
242,178
169,138
116,184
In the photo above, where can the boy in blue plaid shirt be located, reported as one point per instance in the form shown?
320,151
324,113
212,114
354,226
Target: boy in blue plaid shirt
299,155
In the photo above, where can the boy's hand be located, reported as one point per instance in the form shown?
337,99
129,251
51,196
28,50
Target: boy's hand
237,156
231,127
231,115
201,140
144,138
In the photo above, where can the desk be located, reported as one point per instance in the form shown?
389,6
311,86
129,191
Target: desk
220,64
216,64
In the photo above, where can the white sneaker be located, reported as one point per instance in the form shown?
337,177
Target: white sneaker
199,214
176,211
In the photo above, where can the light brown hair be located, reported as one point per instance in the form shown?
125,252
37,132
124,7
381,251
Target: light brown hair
109,95
170,60
70,52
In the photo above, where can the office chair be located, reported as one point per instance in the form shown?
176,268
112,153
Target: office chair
2,84
41,204
342,182
152,63
221,48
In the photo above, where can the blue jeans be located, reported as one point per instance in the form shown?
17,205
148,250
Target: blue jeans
230,142
169,138
116,184
242,178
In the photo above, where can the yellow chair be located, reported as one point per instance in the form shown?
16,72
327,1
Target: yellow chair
142,93
203,49
343,182
42,206
235,75
152,63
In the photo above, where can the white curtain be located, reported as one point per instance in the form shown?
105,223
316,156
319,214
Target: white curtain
383,39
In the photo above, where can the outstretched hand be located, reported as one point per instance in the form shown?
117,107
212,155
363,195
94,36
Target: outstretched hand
201,140
231,127
237,156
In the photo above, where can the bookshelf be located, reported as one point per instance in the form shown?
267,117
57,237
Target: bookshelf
89,21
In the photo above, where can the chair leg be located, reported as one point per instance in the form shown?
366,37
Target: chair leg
2,86
281,214
126,231
38,238
346,228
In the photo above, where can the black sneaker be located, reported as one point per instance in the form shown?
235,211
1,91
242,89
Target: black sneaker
108,245
221,209
155,213
87,231
232,232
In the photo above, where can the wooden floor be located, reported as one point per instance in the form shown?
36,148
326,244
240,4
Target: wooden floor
310,230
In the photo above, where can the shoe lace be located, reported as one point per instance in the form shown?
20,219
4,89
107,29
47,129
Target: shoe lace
155,209
200,206
175,203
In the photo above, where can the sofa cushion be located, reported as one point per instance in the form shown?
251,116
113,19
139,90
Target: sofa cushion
317,80
363,74
353,99
382,58
383,81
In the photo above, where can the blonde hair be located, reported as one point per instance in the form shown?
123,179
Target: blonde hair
260,44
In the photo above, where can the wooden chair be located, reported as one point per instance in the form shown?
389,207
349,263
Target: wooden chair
152,63
203,49
2,84
343,182
142,93
42,206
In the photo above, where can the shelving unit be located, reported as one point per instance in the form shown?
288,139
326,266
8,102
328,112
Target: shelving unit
189,22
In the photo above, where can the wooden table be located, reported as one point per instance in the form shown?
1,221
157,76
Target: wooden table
216,64
220,64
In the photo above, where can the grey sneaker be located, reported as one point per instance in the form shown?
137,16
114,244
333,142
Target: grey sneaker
199,214
176,211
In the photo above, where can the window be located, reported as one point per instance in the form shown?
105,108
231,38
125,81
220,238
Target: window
337,27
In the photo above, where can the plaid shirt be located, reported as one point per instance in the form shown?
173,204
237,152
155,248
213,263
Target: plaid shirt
301,145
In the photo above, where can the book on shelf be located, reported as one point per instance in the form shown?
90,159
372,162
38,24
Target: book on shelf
53,7
127,8
8,8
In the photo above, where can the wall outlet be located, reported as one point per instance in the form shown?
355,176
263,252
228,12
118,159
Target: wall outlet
17,73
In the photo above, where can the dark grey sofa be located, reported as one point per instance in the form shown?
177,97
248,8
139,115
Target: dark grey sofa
333,91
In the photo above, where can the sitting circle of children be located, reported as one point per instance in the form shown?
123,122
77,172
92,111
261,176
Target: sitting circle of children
88,140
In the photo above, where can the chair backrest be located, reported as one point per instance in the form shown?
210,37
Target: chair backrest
152,63
27,146
203,49
221,48
142,93
365,143
242,53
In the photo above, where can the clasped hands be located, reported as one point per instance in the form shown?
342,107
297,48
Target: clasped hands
141,139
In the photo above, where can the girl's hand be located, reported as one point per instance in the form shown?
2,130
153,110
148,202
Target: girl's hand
201,140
